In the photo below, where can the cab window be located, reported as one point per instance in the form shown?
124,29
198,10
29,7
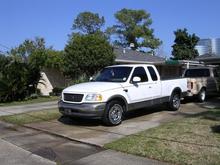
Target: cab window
152,73
140,72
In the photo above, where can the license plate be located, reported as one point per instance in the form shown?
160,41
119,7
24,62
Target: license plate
68,111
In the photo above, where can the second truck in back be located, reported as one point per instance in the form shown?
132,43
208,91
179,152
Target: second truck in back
201,81
118,89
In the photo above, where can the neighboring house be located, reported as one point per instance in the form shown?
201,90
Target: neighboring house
166,68
51,78
132,56
209,59
128,56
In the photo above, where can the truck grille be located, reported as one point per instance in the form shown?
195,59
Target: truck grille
73,97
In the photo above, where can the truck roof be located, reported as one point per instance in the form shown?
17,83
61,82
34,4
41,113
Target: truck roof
201,67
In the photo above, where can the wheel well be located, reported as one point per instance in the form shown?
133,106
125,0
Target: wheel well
177,90
203,88
121,100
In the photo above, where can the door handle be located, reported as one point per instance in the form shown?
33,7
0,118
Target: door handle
125,90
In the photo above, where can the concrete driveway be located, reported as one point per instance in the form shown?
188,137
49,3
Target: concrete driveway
95,133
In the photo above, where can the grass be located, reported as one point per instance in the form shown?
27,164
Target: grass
32,117
192,140
31,101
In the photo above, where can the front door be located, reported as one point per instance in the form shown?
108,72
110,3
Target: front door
140,91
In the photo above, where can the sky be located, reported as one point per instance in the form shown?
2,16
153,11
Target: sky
53,19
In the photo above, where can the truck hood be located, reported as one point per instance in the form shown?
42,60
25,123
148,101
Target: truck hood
92,87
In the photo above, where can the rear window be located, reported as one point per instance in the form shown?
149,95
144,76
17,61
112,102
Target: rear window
197,73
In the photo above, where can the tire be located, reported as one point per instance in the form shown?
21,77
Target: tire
174,103
113,113
201,95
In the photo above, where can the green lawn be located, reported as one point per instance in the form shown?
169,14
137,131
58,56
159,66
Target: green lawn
32,117
31,101
191,140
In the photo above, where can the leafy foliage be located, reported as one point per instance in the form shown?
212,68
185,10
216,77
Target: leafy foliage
13,80
133,27
184,47
20,69
86,54
29,50
88,22
54,59
88,49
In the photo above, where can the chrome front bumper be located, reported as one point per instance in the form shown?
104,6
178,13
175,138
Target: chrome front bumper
87,110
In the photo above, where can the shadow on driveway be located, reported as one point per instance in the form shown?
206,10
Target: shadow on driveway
98,122
80,121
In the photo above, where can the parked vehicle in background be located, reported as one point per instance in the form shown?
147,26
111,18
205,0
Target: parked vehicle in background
201,81
121,88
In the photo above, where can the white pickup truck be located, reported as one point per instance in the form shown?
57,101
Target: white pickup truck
118,89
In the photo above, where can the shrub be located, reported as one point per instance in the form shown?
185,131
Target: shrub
57,91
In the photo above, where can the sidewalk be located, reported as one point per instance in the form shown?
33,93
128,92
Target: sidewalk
13,155
11,110
115,158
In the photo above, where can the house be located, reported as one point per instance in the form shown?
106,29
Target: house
50,78
166,68
126,56
209,59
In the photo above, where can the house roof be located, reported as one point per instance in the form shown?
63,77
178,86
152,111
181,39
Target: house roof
132,56
209,58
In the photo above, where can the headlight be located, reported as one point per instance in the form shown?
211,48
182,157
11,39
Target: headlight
93,97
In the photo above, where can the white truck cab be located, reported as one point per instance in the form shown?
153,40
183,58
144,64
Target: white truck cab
118,89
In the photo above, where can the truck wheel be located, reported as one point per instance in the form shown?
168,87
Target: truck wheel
113,113
201,95
174,103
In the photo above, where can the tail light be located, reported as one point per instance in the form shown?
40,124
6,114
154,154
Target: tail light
190,85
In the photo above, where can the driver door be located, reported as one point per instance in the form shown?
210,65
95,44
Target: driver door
139,91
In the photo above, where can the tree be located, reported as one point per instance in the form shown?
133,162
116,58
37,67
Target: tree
54,59
88,22
32,52
184,45
86,54
20,69
134,27
13,79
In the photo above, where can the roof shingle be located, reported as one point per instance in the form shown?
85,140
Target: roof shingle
131,56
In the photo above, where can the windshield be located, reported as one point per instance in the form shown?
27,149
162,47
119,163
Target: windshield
114,74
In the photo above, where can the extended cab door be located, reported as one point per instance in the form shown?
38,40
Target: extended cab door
140,91
155,83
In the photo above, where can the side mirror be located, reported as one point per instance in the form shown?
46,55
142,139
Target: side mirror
91,78
136,79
